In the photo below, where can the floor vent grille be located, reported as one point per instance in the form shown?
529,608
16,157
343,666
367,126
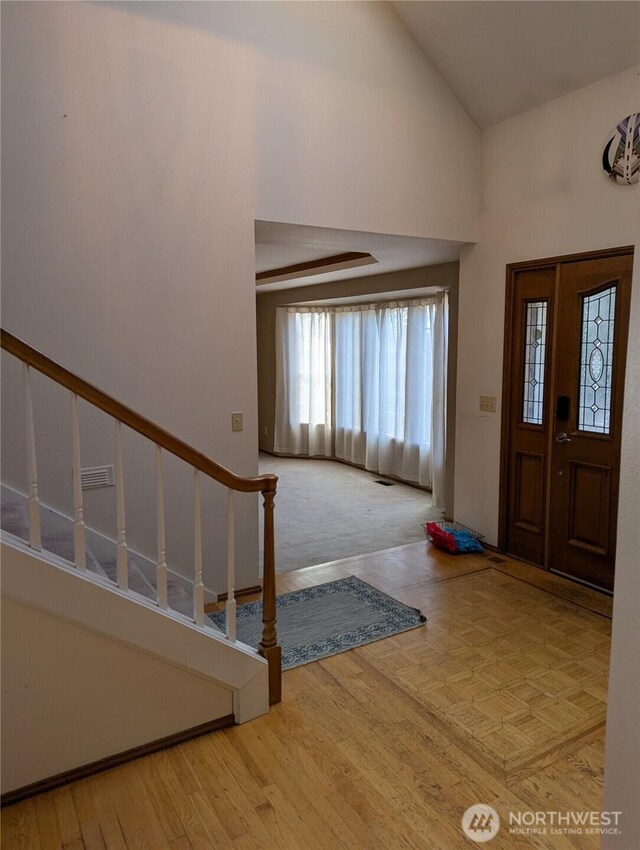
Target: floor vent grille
496,560
384,483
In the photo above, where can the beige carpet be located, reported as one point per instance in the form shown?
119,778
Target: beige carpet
327,510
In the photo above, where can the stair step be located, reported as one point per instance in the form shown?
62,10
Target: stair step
61,545
178,598
14,518
57,537
137,581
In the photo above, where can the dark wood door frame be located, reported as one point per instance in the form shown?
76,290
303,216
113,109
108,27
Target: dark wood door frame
507,372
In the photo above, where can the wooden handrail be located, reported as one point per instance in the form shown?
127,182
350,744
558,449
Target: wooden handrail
265,484
20,349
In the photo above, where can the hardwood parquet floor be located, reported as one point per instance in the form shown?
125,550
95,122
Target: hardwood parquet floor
499,699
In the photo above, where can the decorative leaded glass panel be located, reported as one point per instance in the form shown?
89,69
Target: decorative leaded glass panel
596,361
535,346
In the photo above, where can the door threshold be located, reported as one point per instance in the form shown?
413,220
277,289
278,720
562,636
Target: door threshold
581,581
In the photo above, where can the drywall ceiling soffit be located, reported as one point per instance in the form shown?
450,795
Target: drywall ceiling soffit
279,245
393,295
503,58
312,268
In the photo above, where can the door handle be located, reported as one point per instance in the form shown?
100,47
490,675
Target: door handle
563,438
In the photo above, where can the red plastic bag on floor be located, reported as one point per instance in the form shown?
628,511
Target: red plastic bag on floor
441,538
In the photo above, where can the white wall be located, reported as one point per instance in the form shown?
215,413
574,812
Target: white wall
127,233
89,671
354,127
622,768
71,696
140,141
357,126
544,194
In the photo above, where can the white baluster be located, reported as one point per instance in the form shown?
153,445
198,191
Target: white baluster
161,569
35,537
122,555
79,549
198,587
231,570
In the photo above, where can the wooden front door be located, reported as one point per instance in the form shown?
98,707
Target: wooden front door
565,349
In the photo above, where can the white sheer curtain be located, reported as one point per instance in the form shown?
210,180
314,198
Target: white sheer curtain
386,366
390,389
304,352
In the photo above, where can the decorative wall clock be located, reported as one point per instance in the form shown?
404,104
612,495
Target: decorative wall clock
621,155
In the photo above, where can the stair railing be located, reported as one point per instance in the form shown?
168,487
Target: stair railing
164,442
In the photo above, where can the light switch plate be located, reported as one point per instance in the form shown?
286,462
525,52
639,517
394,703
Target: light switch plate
236,421
488,403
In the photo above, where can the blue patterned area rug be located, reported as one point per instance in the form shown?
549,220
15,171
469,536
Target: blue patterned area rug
327,619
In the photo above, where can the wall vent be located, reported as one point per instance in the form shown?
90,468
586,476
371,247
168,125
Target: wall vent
92,477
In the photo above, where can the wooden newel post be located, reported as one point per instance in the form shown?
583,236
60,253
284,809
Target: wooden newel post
269,647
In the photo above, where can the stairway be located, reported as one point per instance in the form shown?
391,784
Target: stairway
57,538
107,652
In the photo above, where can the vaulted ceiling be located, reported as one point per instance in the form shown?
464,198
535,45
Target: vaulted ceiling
502,58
